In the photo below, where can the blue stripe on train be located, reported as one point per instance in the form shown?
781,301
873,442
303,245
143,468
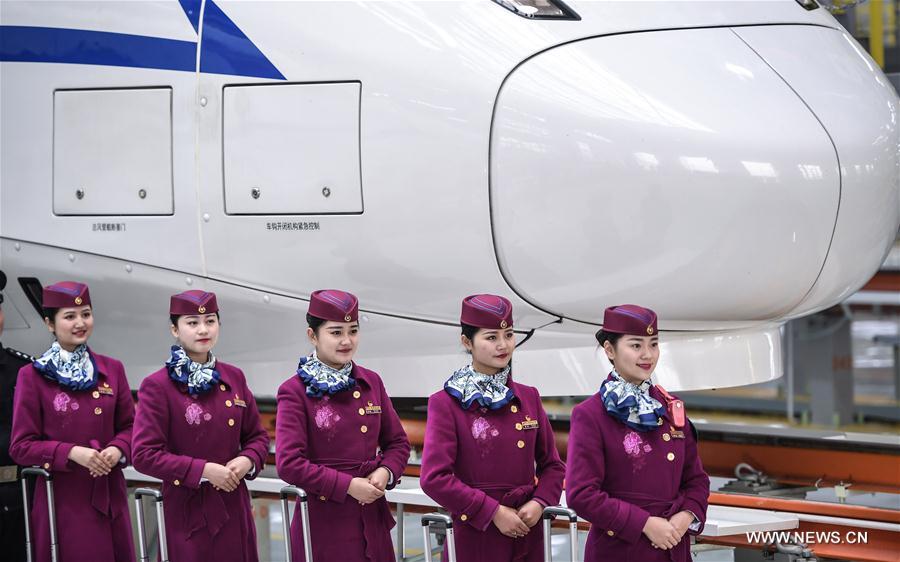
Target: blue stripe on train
78,46
225,48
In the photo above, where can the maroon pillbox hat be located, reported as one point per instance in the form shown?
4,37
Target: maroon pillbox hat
334,305
65,294
193,302
486,311
630,319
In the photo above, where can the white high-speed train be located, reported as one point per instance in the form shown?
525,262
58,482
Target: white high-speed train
729,164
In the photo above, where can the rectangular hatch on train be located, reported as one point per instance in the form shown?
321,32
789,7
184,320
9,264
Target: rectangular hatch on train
112,152
292,149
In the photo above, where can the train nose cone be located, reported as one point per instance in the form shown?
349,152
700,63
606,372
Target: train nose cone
860,109
676,169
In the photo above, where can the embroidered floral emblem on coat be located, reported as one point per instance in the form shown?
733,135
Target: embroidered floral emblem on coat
192,414
636,449
326,417
484,434
61,402
483,430
632,444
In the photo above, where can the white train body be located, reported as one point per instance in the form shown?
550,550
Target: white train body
729,164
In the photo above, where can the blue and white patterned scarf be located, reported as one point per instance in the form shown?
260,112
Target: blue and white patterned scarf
631,404
199,377
468,385
75,370
320,379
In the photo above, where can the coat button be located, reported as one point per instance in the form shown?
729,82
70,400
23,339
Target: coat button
666,437
364,429
228,403
514,408
518,427
222,387
46,466
463,517
520,444
98,411
671,456
610,533
362,411
96,394
176,482
356,394
231,422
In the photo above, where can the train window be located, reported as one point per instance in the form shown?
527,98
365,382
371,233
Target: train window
112,152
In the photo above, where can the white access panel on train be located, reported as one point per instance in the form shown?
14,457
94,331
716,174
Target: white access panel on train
292,149
112,152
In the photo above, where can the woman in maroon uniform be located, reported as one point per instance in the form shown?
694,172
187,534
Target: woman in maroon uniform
633,467
198,430
339,438
72,416
490,457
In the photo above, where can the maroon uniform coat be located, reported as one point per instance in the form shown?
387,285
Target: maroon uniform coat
322,444
618,477
478,459
48,420
175,435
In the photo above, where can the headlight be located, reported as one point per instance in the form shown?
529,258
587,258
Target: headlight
541,9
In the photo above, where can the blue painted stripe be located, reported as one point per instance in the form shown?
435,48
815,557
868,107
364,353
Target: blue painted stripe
226,50
192,11
78,46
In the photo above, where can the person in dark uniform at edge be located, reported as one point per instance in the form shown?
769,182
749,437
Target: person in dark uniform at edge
12,520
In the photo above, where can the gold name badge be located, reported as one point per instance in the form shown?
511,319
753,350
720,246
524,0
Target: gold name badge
372,409
239,402
529,423
105,390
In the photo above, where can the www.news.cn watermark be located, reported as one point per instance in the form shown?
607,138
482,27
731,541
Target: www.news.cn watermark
808,537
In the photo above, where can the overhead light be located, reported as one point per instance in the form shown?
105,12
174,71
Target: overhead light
540,9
